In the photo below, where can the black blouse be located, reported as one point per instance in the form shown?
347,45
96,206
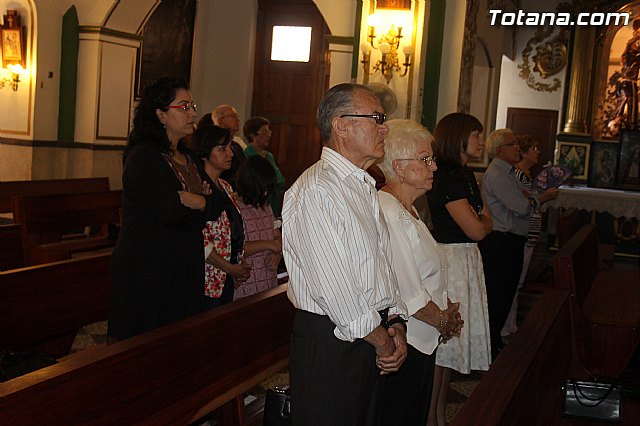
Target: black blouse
451,183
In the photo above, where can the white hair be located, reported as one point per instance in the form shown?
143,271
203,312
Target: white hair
401,142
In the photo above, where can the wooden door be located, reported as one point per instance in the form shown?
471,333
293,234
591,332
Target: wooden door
288,93
541,124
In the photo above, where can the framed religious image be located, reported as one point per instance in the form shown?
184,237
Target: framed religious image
393,4
604,163
11,45
575,156
629,164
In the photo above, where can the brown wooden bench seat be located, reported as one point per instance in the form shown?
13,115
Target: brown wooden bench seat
42,307
613,310
607,318
173,375
524,384
46,218
48,187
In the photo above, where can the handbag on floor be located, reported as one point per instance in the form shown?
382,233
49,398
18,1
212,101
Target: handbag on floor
277,408
592,400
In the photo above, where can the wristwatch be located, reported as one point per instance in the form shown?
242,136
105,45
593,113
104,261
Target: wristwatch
396,320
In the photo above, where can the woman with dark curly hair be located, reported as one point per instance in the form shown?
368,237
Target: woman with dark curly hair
255,183
157,266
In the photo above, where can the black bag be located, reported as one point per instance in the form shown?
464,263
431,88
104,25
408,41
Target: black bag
277,408
15,364
591,400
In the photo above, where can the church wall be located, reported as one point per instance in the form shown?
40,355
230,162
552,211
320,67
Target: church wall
514,91
222,71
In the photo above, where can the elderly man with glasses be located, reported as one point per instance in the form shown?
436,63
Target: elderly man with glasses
350,326
227,117
502,250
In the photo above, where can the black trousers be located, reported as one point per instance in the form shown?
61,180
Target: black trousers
502,256
333,382
407,393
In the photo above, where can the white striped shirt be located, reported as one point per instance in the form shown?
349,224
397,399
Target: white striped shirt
336,247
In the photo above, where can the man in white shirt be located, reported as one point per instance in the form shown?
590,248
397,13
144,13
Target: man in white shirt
347,331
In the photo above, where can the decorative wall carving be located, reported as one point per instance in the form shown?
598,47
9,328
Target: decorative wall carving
546,55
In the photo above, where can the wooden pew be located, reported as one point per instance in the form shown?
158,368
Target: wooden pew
567,226
48,187
169,376
42,307
523,386
11,252
607,318
575,265
46,218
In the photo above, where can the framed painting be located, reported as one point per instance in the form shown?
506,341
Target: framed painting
629,164
11,45
604,163
575,156
167,43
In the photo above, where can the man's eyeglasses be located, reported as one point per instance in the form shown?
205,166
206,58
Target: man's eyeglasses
185,107
428,160
513,145
378,116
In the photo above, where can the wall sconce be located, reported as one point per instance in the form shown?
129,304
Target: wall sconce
388,44
16,70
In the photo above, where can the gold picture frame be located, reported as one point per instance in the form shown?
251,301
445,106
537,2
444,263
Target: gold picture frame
575,156
11,45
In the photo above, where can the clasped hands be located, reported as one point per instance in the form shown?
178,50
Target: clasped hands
452,324
390,345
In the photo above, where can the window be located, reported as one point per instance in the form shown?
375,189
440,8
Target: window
291,44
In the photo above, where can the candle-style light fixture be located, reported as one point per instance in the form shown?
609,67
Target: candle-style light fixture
16,70
388,44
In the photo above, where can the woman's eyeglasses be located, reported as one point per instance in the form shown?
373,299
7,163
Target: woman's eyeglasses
185,107
427,160
378,116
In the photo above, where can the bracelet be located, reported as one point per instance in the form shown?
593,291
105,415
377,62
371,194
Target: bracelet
396,320
443,321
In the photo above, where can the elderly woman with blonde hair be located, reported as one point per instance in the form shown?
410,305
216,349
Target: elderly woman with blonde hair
408,166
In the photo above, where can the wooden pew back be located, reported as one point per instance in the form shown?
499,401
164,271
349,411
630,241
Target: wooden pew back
576,264
46,218
39,304
523,386
48,187
568,225
171,375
